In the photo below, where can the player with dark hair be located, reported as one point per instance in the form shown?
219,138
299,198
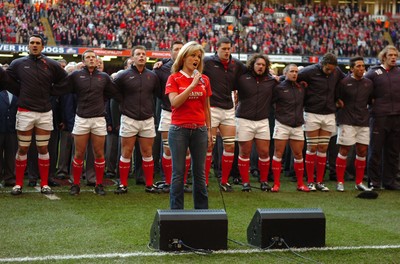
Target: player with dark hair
354,94
255,90
92,87
163,72
319,114
138,86
223,71
36,75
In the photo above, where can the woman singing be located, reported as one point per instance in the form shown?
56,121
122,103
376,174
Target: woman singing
189,91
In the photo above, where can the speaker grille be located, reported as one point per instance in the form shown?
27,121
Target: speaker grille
201,229
299,227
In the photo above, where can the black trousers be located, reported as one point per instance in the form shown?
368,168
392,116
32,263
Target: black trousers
8,149
384,149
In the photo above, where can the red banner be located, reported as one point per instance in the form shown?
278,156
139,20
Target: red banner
107,52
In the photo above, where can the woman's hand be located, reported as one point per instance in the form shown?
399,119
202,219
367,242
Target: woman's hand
209,139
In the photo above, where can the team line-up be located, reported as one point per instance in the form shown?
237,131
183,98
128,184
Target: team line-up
205,95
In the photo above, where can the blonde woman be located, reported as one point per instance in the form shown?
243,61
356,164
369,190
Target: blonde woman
189,91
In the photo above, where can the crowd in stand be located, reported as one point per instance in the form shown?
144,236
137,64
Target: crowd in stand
18,21
307,30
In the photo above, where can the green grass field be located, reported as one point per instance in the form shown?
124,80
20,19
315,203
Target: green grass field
115,229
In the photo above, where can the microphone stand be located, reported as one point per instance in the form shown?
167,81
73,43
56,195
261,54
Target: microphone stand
237,36
237,31
227,8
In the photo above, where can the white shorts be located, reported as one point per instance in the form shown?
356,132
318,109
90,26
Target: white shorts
27,120
165,121
221,116
247,130
314,122
142,128
285,132
335,133
94,125
350,135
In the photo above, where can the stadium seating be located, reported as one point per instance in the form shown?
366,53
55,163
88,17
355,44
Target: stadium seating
262,27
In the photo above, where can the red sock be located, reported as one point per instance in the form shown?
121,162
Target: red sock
310,163
340,167
99,165
263,166
359,163
148,170
276,170
321,166
299,170
77,166
244,165
20,166
166,163
208,166
44,164
124,166
187,167
226,165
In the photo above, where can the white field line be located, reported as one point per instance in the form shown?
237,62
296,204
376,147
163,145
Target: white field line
160,253
48,196
37,190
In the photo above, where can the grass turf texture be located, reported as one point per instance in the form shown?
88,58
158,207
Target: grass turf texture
34,226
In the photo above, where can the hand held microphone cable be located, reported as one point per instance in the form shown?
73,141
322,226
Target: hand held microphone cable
201,78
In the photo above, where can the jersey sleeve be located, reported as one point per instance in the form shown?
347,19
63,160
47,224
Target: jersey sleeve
171,86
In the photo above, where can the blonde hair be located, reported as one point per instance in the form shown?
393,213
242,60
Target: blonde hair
188,49
383,53
286,69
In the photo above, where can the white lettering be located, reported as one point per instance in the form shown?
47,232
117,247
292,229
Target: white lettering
7,47
195,94
53,50
378,17
22,48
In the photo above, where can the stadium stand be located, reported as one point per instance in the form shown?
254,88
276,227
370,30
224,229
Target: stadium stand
262,27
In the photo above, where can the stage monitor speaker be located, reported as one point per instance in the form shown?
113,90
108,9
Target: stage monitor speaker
303,227
199,229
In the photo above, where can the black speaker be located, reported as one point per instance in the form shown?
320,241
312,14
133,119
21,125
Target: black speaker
175,230
304,227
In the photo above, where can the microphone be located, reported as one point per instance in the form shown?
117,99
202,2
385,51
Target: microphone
201,78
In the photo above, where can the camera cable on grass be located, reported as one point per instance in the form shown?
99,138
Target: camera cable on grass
196,250
281,240
275,241
266,249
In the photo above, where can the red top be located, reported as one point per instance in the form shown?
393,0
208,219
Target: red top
192,110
